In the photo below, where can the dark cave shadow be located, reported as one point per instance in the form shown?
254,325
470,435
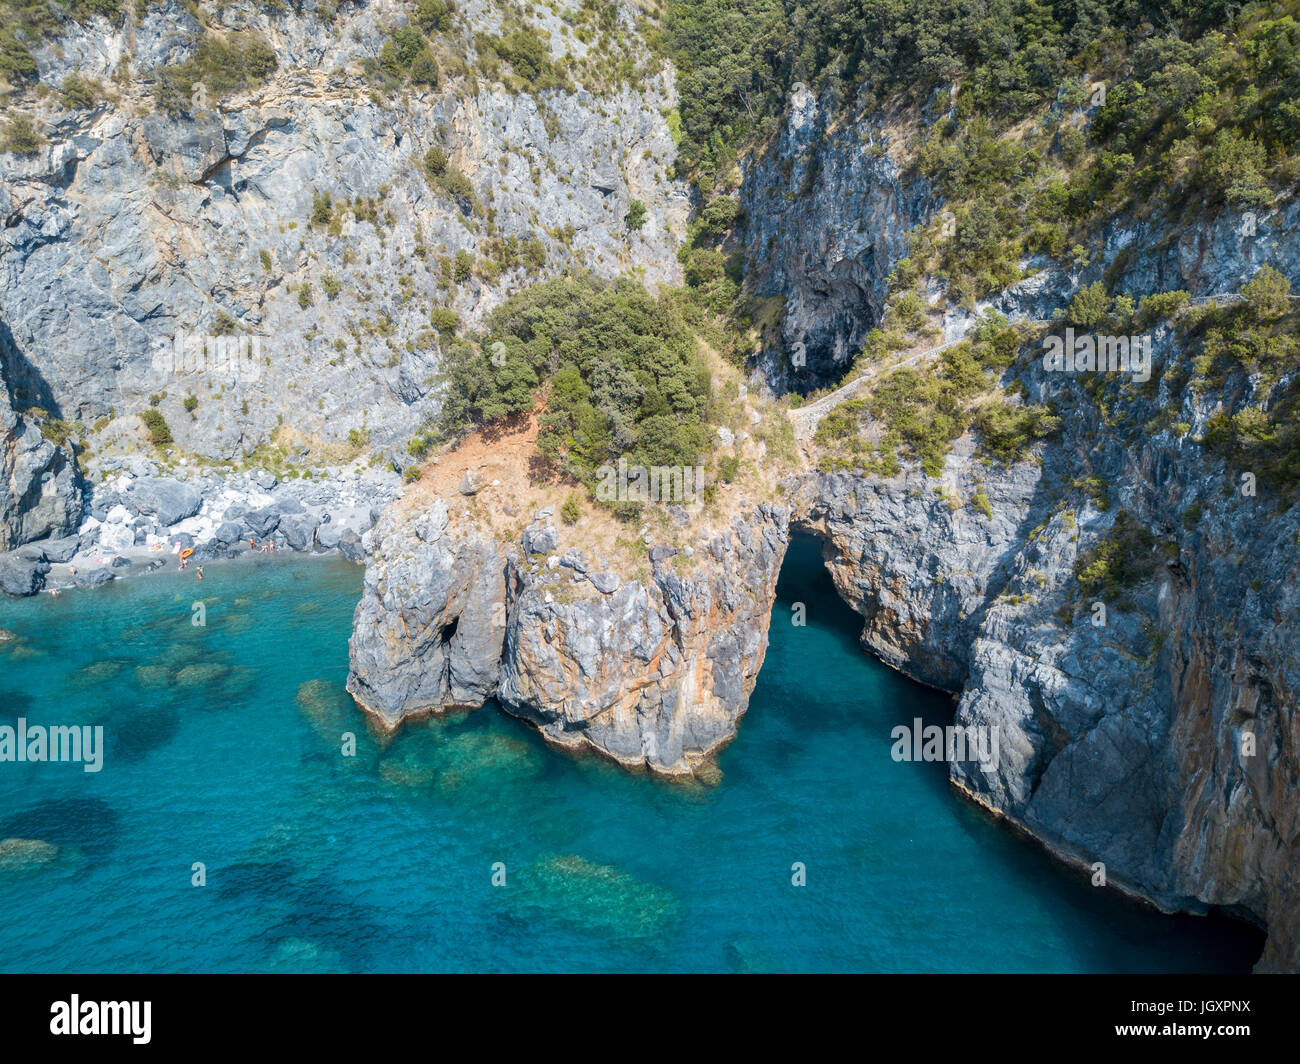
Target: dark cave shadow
26,386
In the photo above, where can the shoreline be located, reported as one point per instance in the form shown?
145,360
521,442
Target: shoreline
141,562
137,518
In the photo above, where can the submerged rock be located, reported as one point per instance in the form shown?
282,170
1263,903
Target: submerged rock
153,676
328,707
595,897
22,855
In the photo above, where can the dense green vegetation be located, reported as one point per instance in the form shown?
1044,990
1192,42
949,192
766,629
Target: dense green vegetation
920,412
739,58
222,66
1259,339
21,136
1124,558
1055,114
407,56
619,371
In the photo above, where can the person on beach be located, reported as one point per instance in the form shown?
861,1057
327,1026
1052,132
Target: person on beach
252,543
200,572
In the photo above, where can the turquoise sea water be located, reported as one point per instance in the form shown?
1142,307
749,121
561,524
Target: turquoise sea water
223,747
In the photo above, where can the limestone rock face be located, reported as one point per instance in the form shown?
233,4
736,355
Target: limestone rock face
40,488
1152,730
428,632
654,672
651,672
133,226
1122,742
824,255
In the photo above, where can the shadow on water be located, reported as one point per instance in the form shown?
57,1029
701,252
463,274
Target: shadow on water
86,823
303,910
137,734
13,704
1218,942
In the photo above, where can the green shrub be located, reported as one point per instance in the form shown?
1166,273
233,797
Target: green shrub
159,433
464,266
1090,306
1123,559
79,93
21,136
322,208
431,15
458,187
1268,294
571,511
1161,306
635,215
16,62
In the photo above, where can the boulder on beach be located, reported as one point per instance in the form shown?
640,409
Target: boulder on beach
60,550
261,523
94,577
22,575
299,530
168,500
351,548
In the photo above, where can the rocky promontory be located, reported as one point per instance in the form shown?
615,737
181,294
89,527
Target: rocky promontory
476,589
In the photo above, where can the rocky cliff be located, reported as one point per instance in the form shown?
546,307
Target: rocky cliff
133,224
1150,730
474,590
40,488
1121,711
349,219
827,214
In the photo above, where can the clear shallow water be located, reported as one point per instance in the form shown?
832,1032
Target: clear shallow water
223,747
